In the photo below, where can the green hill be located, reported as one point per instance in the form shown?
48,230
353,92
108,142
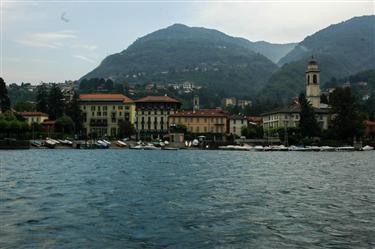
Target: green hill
181,53
342,49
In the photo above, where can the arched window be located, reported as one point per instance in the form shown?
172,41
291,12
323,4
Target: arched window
308,79
315,79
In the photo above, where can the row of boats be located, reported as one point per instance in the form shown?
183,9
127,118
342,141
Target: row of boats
246,147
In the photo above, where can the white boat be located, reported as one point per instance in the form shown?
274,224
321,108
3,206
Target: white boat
258,148
101,144
327,148
107,142
345,148
120,143
50,143
195,142
166,142
367,147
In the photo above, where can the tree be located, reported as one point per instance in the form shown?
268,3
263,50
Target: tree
65,124
348,121
73,110
24,106
55,102
308,125
4,99
42,99
126,129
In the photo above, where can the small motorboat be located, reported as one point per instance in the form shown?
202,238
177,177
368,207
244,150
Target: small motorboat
36,143
327,148
106,141
258,148
367,147
195,142
345,148
120,144
50,143
101,144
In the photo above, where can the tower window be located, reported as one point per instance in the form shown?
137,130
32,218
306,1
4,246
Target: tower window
315,79
308,79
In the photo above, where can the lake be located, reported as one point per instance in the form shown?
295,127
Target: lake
186,199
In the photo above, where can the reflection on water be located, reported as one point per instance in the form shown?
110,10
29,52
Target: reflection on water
186,199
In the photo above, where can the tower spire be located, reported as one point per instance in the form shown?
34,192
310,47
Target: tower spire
313,83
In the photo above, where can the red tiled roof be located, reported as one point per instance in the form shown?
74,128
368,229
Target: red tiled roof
255,118
200,113
105,96
157,99
370,123
32,114
48,122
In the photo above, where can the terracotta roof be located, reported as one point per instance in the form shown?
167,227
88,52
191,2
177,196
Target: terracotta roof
370,123
32,114
201,113
255,119
48,122
105,96
157,99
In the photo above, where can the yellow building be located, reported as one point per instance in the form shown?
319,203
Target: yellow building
34,117
103,112
202,121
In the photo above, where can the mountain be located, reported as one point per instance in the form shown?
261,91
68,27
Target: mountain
342,49
181,53
272,51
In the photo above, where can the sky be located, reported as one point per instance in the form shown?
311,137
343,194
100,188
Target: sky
55,40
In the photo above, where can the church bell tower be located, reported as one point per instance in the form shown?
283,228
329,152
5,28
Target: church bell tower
313,83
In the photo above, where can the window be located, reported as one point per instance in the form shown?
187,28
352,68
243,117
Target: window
84,107
113,107
92,113
98,108
104,108
120,114
104,113
308,79
92,108
120,107
315,79
197,129
126,107
99,113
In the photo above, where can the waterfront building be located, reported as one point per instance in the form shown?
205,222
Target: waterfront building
236,123
103,112
289,116
202,121
152,112
34,117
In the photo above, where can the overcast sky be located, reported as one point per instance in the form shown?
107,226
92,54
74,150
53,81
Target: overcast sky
53,41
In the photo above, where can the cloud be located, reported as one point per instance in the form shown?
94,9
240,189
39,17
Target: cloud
275,21
47,39
88,47
84,58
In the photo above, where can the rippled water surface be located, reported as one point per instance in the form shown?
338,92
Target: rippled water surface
186,199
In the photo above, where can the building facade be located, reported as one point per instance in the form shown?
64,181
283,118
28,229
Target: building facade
152,112
102,113
34,117
290,116
202,121
236,123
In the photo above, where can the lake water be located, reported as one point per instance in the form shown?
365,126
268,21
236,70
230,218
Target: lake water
186,199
